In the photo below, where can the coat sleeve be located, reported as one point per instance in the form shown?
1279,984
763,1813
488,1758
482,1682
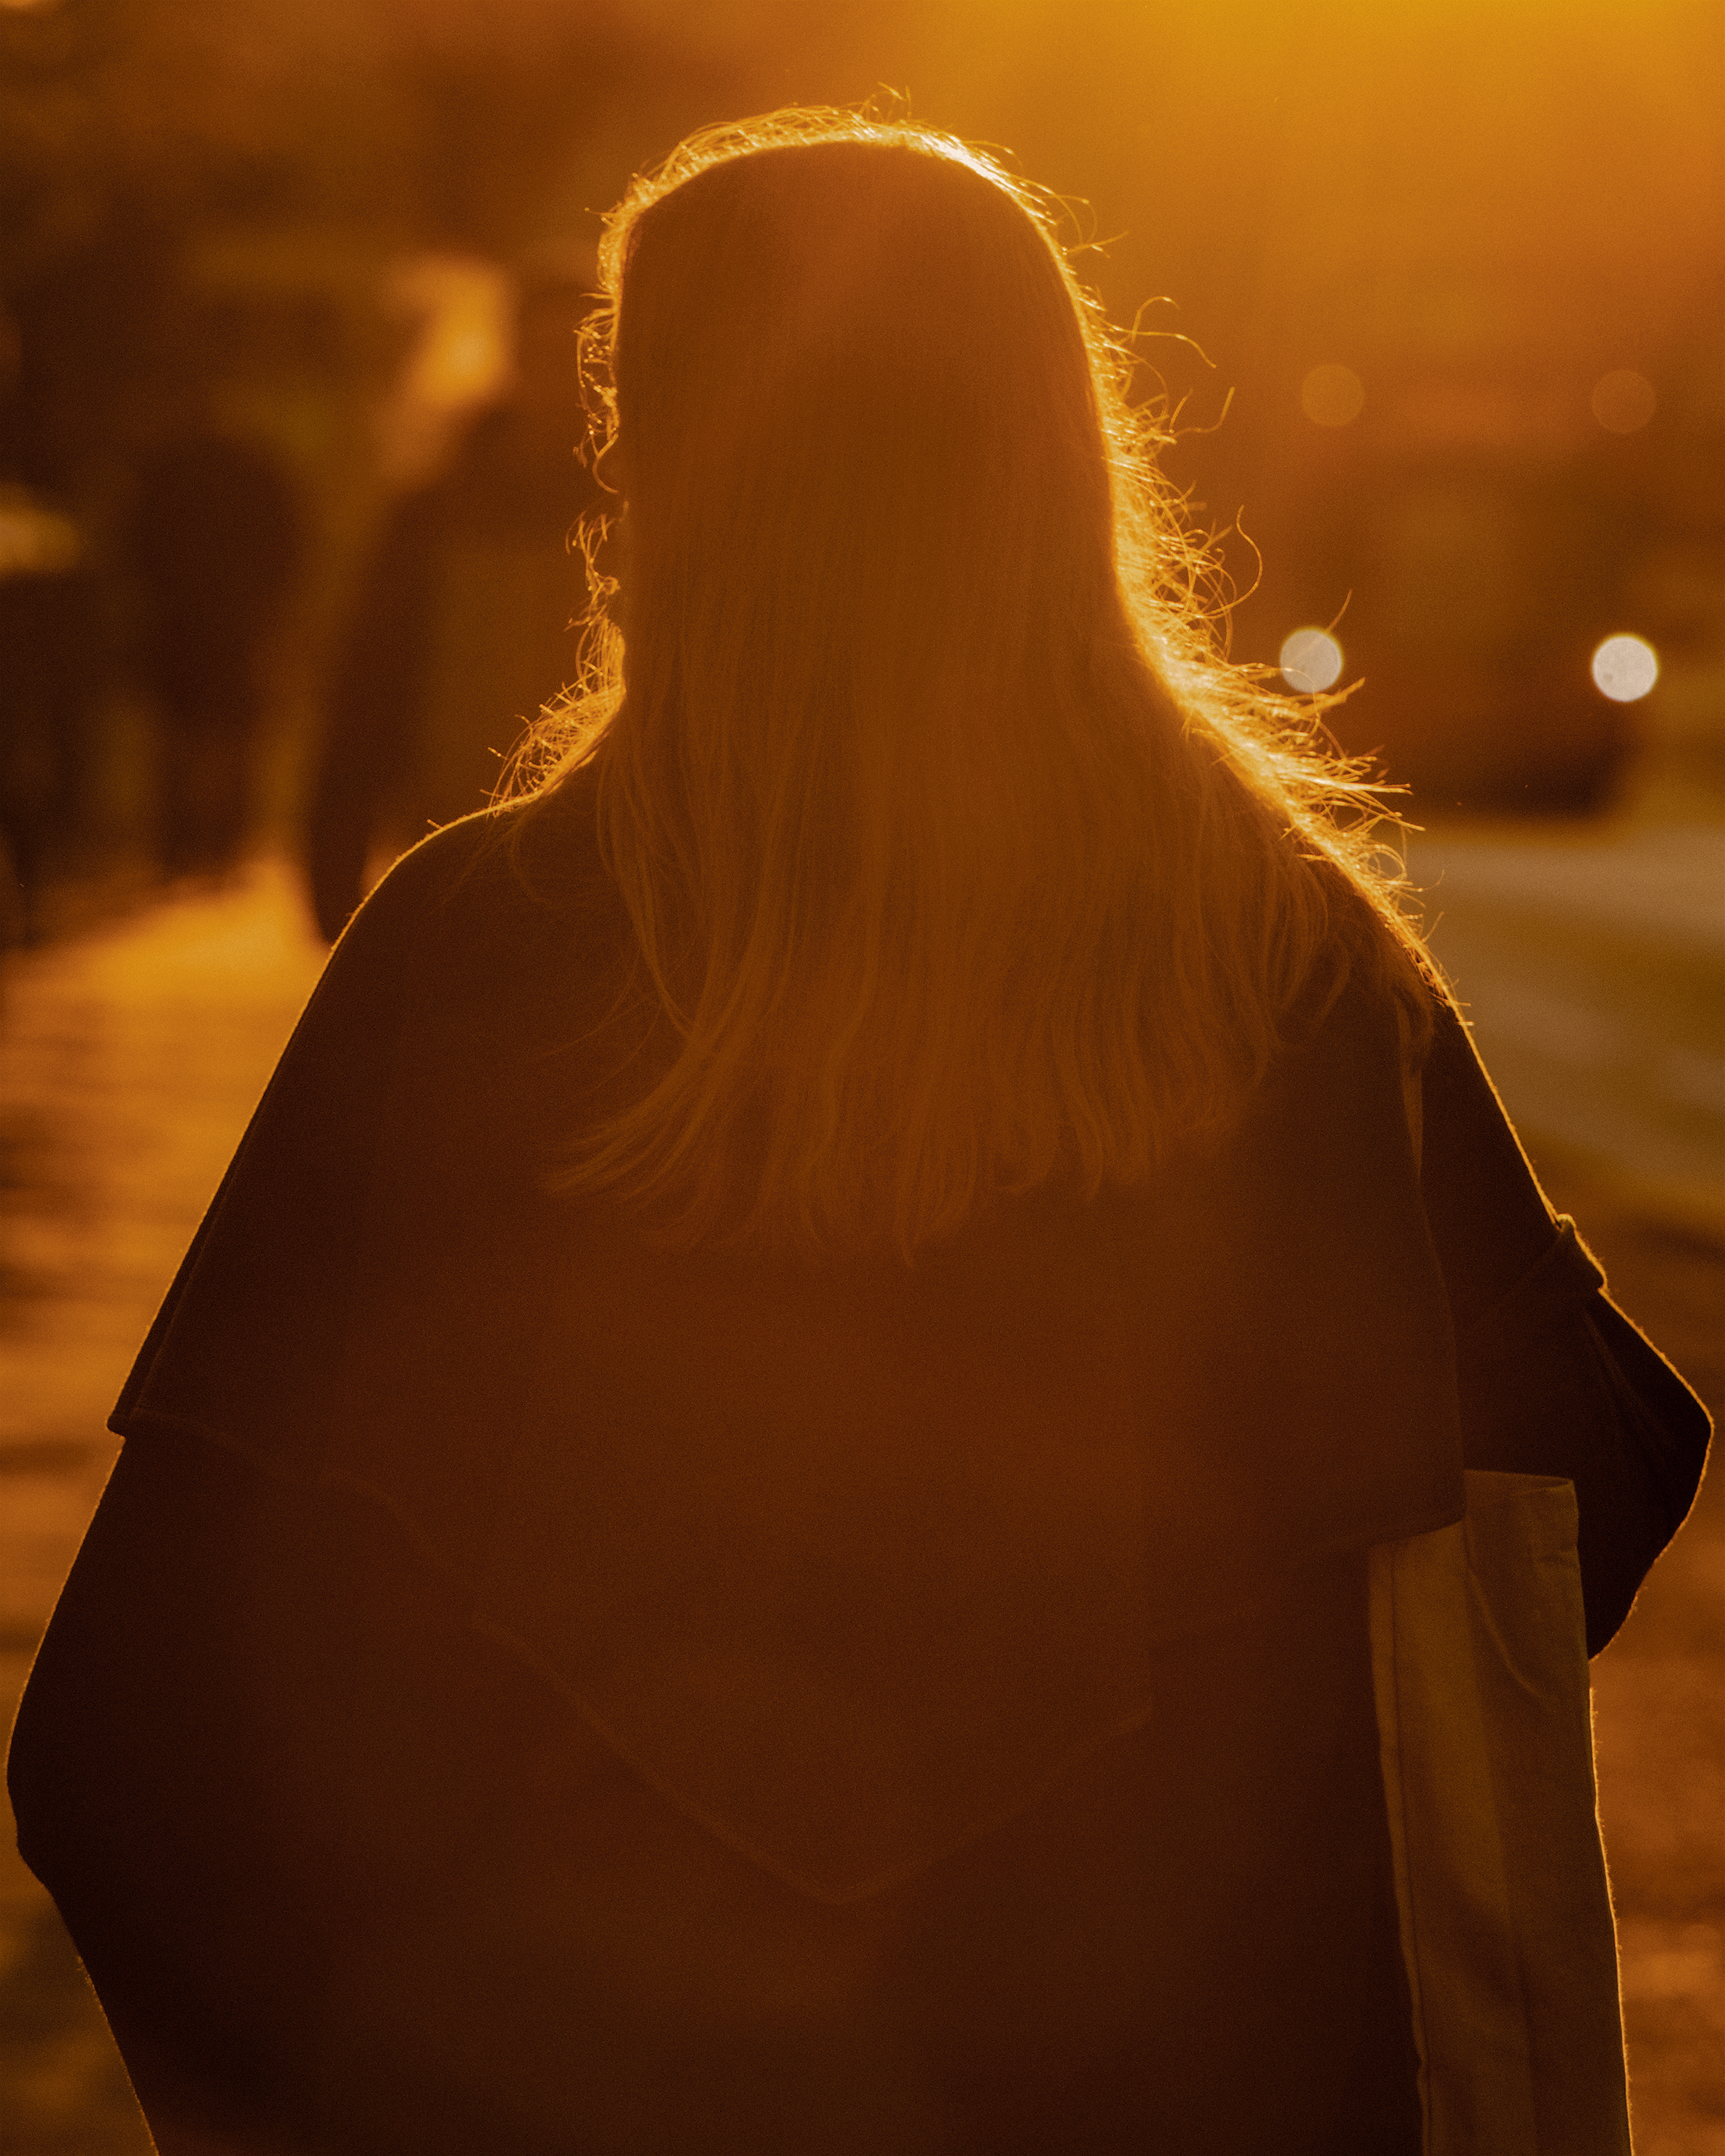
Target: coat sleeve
1554,1378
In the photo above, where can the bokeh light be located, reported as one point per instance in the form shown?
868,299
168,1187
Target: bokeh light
35,541
460,309
1623,401
1625,667
1310,661
1332,396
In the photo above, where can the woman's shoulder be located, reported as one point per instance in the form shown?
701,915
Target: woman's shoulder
491,874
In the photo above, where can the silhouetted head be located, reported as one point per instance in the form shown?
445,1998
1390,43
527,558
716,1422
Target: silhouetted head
855,399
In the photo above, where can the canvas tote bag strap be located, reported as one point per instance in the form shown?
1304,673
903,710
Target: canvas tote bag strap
1484,1730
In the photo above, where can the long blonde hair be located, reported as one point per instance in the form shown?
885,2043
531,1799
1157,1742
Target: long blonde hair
955,854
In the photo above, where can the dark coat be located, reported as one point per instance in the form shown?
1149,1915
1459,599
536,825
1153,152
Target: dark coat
525,1692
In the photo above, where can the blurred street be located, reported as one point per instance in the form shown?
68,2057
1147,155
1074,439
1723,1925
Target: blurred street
1592,961
129,1058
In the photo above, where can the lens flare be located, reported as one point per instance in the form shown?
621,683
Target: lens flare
1332,396
1623,401
1310,661
1624,669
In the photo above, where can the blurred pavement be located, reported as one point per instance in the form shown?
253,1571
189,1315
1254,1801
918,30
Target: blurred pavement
1592,961
130,1059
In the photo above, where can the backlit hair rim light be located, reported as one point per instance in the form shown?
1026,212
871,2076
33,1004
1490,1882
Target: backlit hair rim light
958,858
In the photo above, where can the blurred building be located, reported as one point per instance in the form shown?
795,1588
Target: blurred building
214,543
1478,214
51,678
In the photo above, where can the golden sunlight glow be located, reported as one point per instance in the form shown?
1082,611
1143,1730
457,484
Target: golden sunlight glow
1623,401
1310,661
1332,396
34,542
1624,669
460,309
463,351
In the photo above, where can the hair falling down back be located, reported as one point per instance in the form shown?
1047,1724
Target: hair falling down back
956,855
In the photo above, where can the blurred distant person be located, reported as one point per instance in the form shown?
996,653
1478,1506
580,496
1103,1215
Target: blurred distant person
461,629
214,542
756,1525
